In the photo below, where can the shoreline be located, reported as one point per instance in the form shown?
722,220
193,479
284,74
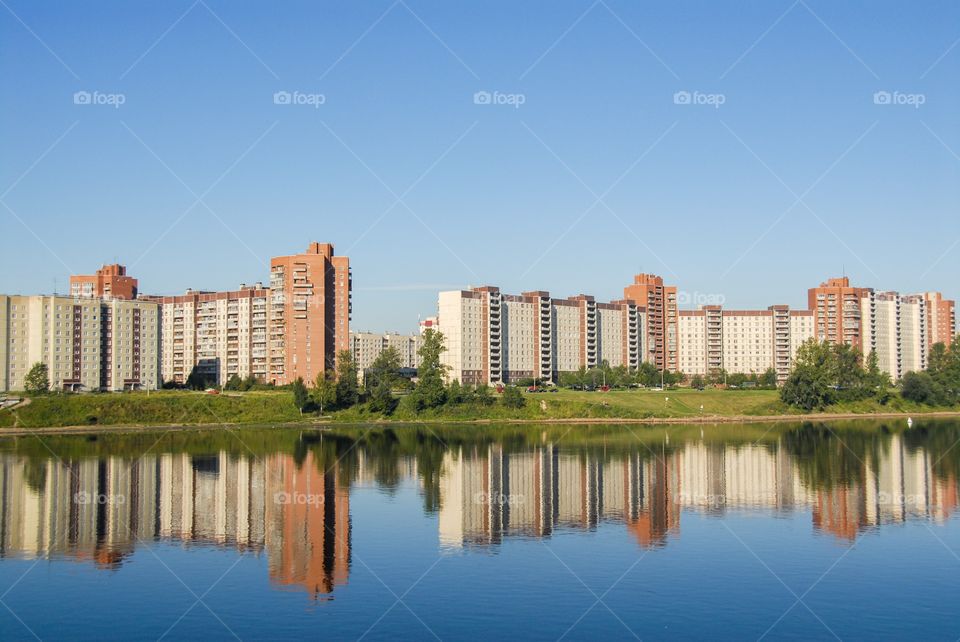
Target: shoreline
326,424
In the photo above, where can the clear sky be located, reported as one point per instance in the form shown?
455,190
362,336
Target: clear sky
585,166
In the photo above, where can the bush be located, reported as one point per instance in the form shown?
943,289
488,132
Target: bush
921,388
513,398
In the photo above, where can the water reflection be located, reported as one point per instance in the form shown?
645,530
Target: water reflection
102,509
287,495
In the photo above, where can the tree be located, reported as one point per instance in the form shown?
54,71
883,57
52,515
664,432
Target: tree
196,380
348,391
385,368
809,385
324,391
455,393
37,381
921,388
481,395
233,383
300,394
768,379
382,399
697,382
513,398
430,391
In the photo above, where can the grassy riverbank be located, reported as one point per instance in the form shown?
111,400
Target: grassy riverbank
270,407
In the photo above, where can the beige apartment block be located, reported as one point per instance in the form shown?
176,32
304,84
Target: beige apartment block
367,346
86,343
500,338
220,334
741,341
896,328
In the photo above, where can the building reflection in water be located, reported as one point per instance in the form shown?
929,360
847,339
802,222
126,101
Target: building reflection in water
297,512
100,510
487,494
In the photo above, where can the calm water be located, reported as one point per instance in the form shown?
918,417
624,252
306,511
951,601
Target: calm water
816,531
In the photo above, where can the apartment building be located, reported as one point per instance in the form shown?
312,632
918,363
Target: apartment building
220,334
660,302
87,343
367,346
309,312
896,328
941,319
110,281
493,337
743,341
836,307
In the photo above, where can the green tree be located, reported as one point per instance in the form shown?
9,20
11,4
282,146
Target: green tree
37,381
384,369
430,391
482,396
810,382
921,388
697,382
324,392
513,398
348,390
300,395
455,393
768,379
233,383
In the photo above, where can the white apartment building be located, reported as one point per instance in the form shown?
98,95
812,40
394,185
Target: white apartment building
741,341
221,334
896,327
86,343
367,346
500,338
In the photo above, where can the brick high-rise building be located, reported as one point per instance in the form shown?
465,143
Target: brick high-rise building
941,319
836,307
110,281
660,302
309,312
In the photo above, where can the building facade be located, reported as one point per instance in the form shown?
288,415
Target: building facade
367,346
896,328
218,334
712,339
941,319
86,343
501,338
309,312
660,302
837,310
110,281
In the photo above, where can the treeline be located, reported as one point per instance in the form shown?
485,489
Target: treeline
939,384
828,373
382,381
825,374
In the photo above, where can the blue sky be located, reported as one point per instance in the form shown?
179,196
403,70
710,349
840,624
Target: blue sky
198,177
